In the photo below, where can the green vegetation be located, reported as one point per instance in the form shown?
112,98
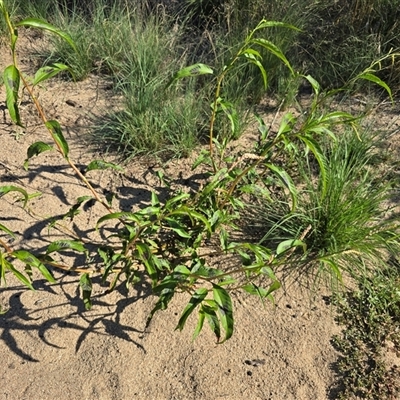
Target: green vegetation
316,183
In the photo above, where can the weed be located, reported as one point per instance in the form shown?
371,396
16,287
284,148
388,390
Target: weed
166,240
341,215
371,326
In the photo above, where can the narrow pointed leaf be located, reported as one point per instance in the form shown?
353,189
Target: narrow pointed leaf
10,188
288,244
36,149
99,164
6,230
321,159
268,24
21,277
373,78
252,59
58,136
286,180
200,324
212,320
192,70
11,82
198,296
225,309
48,72
86,286
39,24
32,261
275,50
60,245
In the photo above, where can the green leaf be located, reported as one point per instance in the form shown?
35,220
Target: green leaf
315,85
123,216
21,277
36,149
10,188
287,124
192,70
58,136
321,159
6,230
260,291
286,180
167,293
11,82
155,202
254,57
288,244
60,245
198,296
232,115
225,310
99,164
48,72
200,324
192,214
178,228
31,260
144,254
270,24
274,49
212,320
39,24
334,267
86,286
373,78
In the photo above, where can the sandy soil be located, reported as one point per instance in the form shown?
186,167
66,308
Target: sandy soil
51,348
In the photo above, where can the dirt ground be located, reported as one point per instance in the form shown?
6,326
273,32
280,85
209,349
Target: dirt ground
51,348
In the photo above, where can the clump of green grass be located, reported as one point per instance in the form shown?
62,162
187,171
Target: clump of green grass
344,224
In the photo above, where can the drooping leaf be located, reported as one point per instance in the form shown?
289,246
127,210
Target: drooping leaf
6,230
11,82
321,159
288,244
99,164
212,320
192,70
39,24
254,58
145,255
253,289
270,24
285,178
123,215
60,245
373,78
31,260
225,310
200,324
274,49
166,289
230,111
48,72
177,227
36,149
55,128
315,85
86,286
21,277
198,296
10,188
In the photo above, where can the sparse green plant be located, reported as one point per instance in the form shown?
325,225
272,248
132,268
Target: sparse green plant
168,240
370,319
